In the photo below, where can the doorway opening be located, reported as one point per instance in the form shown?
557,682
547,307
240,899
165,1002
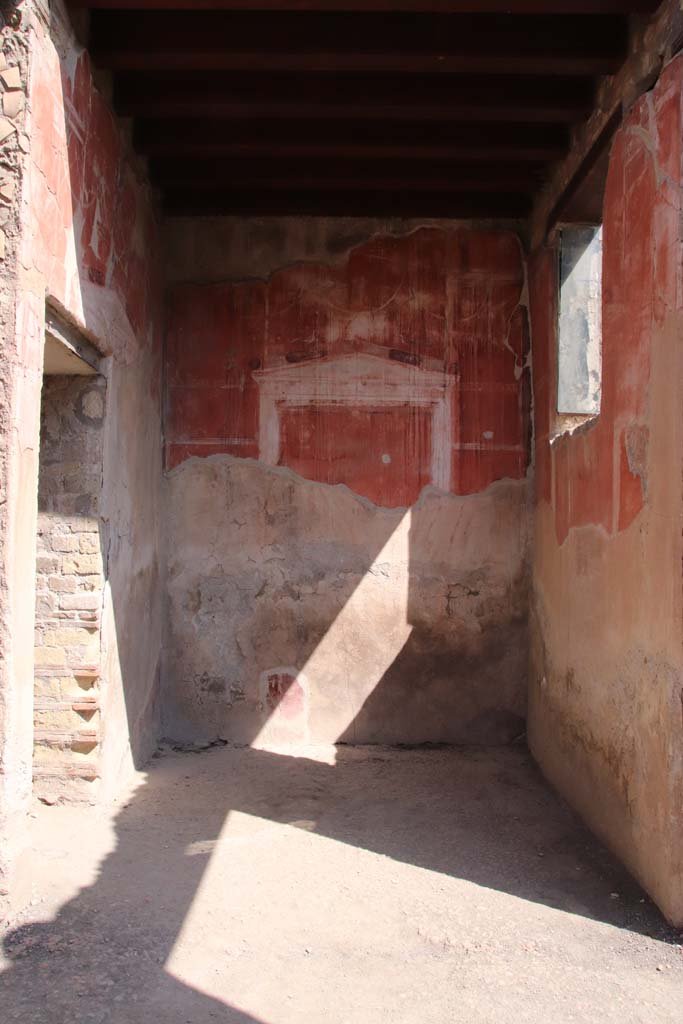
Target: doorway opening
69,569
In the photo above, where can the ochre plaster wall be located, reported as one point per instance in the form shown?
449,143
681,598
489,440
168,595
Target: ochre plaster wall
606,696
347,452
84,237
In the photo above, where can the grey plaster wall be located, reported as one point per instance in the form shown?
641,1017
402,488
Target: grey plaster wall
132,517
300,612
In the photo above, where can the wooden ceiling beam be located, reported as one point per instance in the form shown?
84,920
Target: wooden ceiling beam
650,52
349,140
406,44
340,152
343,184
179,58
352,176
226,108
444,108
184,201
433,98
383,6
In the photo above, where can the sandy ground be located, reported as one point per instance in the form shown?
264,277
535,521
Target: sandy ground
422,887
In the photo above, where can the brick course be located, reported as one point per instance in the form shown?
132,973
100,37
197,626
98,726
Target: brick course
70,582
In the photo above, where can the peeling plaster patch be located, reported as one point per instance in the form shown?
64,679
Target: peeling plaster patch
428,323
637,440
213,249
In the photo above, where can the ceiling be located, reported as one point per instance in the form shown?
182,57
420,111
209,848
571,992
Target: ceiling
356,107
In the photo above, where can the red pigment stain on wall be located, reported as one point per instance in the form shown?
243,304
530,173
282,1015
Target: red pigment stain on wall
599,476
285,695
404,366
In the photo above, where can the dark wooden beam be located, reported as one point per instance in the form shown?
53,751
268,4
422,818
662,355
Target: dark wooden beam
254,203
342,153
651,49
370,186
385,6
349,176
327,97
488,44
595,157
348,140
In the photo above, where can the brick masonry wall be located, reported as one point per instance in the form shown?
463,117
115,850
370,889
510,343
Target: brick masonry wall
69,587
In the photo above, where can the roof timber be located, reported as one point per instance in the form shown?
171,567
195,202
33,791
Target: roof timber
355,97
385,6
656,42
405,44
422,107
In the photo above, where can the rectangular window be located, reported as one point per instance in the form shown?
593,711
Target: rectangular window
580,321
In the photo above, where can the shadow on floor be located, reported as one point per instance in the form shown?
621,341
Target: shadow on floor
479,815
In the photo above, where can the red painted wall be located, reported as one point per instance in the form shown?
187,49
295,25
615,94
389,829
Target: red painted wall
403,365
90,222
604,719
597,477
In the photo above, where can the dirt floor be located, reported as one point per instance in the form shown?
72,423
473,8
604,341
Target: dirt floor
425,887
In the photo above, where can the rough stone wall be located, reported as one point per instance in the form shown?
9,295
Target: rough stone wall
607,668
18,430
69,589
83,233
347,444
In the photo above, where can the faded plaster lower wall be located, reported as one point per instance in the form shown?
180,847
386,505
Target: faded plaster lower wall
346,489
302,612
606,697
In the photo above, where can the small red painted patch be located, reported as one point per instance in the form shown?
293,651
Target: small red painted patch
285,694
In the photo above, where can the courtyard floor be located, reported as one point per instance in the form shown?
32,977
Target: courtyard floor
359,886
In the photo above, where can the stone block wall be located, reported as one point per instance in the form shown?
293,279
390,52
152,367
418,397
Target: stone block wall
69,588
12,86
